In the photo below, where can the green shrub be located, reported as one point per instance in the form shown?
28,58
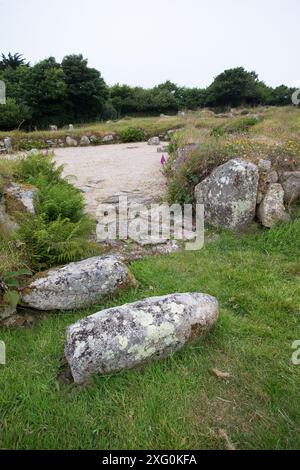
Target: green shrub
60,231
60,199
132,134
237,126
12,115
58,241
198,166
96,141
109,112
39,169
31,144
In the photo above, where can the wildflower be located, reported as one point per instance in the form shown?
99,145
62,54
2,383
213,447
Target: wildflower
162,160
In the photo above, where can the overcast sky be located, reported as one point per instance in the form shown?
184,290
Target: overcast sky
145,42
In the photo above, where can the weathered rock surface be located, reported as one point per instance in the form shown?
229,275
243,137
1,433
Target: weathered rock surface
290,181
125,336
53,128
84,141
6,221
153,141
76,284
271,209
71,142
163,149
8,144
108,139
6,311
264,165
229,195
23,196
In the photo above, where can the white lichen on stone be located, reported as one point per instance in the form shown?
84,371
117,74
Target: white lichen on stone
125,336
76,284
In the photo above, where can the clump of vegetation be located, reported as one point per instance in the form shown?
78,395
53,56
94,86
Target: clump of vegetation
30,144
131,134
60,231
58,241
12,115
215,151
196,167
237,126
6,172
9,285
11,257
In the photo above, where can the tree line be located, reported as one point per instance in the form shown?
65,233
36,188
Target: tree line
50,92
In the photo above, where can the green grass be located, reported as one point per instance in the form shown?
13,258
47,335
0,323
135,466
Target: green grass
175,403
150,125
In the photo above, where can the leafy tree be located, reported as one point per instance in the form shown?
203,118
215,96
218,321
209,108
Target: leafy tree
233,87
12,115
15,80
164,100
14,61
44,91
281,96
86,91
264,93
190,98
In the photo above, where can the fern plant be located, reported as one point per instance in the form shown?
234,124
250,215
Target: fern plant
60,231
59,241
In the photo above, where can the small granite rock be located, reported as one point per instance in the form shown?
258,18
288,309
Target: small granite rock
153,141
8,144
273,177
34,152
271,209
6,222
23,196
108,139
129,335
6,311
290,181
163,149
264,165
71,142
84,141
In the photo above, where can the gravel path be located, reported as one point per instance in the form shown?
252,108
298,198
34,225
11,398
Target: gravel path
105,171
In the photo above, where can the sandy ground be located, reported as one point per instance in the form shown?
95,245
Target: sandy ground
106,171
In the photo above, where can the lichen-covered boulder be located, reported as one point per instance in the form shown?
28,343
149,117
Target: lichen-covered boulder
126,336
229,195
77,284
6,222
107,139
71,142
84,141
153,141
271,209
20,197
290,182
8,144
6,309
